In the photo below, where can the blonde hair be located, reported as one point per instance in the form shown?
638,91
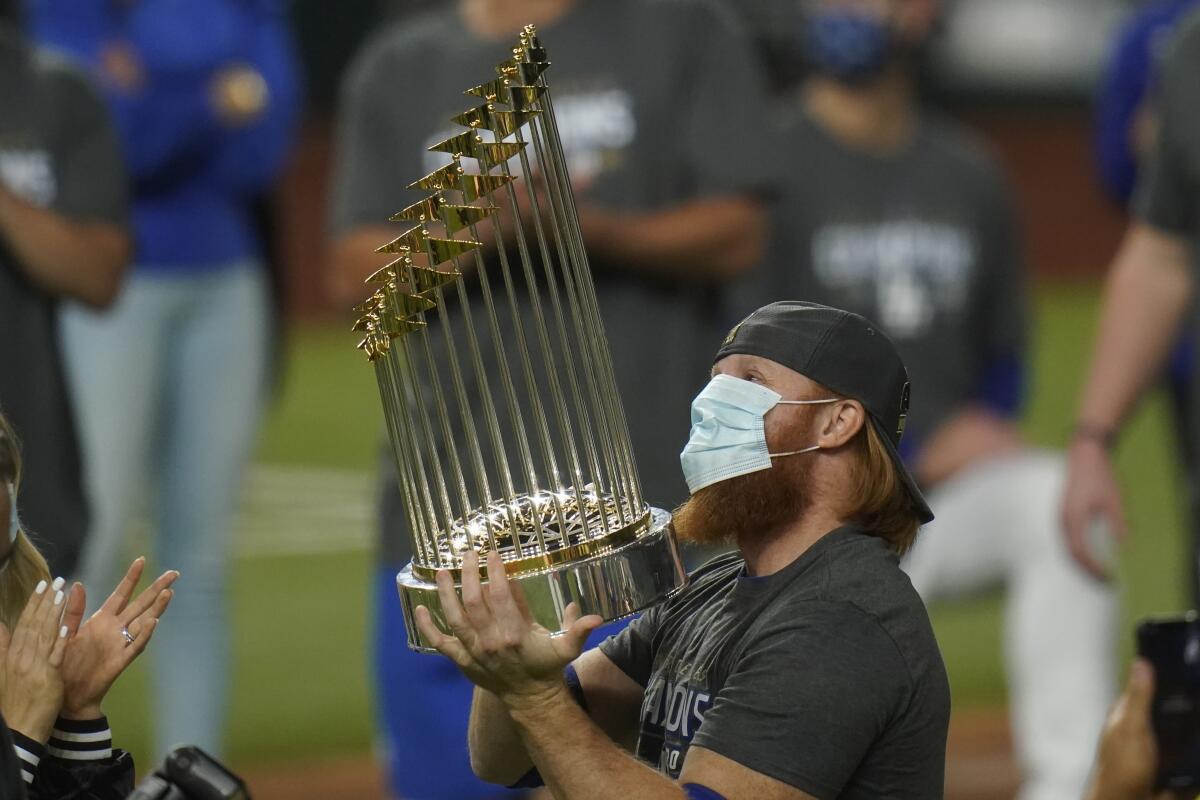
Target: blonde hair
25,566
882,505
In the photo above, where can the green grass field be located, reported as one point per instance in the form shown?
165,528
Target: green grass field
301,689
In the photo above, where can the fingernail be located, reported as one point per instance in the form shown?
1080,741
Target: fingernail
62,632
41,587
58,596
58,583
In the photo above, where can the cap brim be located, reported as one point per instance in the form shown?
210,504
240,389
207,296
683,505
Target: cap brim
923,511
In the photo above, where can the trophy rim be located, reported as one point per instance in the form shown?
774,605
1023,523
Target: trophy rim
552,558
615,585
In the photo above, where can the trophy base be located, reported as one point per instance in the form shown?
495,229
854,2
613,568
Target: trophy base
614,584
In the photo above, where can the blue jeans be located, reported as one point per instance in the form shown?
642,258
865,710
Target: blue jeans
423,707
168,388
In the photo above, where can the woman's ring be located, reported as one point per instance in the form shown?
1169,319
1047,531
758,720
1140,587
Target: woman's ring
128,636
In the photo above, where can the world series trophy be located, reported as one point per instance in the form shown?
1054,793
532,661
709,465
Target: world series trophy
563,505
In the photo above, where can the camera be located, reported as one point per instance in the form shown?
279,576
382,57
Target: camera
189,773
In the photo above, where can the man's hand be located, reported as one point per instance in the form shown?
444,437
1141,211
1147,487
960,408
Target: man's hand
496,641
31,659
97,652
1128,755
239,94
1090,495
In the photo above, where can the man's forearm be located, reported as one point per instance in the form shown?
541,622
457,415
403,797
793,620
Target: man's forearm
497,752
704,239
83,260
577,761
1145,299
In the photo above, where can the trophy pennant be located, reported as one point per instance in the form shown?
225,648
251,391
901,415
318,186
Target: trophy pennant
425,210
495,379
456,218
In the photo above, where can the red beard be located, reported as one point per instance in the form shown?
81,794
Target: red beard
746,507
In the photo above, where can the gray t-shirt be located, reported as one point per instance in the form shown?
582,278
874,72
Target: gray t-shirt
923,242
1168,195
825,675
1168,191
658,102
57,151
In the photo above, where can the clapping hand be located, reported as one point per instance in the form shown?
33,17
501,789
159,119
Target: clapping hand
31,658
100,649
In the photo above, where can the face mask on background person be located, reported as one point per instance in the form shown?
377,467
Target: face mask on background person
728,436
850,45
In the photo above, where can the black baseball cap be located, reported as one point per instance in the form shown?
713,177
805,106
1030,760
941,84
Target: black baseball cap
840,350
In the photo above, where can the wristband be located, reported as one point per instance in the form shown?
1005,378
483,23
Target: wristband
1104,436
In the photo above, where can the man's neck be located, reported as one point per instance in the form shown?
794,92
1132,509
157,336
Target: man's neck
766,556
880,117
501,19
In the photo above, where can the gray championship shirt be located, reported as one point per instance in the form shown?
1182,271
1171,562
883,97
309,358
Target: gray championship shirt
922,242
1168,193
659,102
57,151
825,675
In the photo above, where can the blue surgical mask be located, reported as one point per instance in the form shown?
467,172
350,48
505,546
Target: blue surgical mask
728,436
848,45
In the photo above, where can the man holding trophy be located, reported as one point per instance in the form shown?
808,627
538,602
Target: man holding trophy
803,665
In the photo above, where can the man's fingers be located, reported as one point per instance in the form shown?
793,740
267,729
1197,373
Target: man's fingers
448,646
452,609
571,642
499,592
116,601
518,596
478,612
148,596
76,604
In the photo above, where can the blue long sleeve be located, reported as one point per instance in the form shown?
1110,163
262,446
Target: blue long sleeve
250,158
193,176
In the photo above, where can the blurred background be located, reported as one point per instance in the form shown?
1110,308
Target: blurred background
1021,73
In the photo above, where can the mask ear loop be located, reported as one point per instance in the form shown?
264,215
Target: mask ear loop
803,403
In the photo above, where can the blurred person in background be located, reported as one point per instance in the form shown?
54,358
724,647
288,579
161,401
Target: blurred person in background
1126,128
169,382
899,215
1147,299
55,667
661,110
62,235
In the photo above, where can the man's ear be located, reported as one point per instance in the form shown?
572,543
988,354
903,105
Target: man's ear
844,420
